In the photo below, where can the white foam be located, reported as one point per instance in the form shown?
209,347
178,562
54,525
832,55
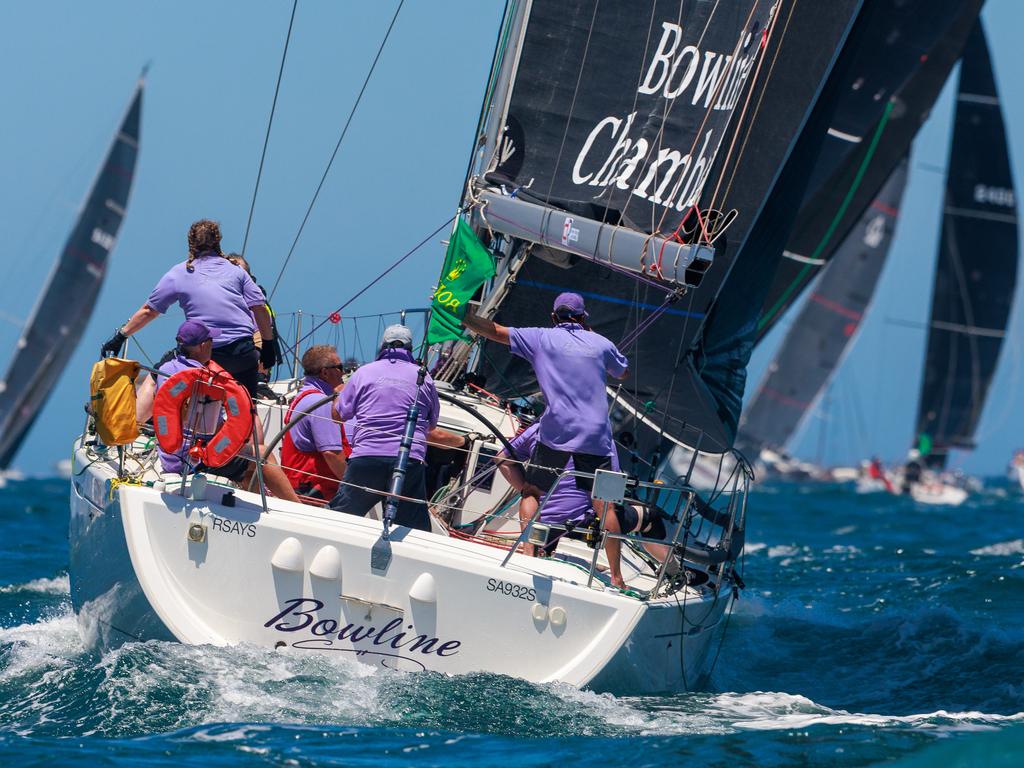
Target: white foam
783,550
59,585
753,546
781,711
843,549
1015,547
247,683
235,734
634,715
759,710
49,643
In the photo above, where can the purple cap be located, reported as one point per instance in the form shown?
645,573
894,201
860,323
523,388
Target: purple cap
569,304
192,332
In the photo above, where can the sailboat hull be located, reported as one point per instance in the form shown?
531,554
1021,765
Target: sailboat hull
150,564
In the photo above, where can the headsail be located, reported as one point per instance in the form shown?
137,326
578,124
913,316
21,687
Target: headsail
824,330
976,271
66,302
935,33
615,127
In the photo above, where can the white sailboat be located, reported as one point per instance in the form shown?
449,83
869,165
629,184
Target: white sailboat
189,559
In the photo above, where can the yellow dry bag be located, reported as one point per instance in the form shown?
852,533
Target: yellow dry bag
112,396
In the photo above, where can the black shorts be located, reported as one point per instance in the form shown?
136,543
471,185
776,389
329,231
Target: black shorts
546,464
642,521
241,359
235,470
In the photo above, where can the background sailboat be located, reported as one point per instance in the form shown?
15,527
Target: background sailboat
863,154
67,299
976,268
825,328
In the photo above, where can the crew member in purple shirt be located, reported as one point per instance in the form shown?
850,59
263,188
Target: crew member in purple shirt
378,397
569,505
219,294
195,347
572,364
315,450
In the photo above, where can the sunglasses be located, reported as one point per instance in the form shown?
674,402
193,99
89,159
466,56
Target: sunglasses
338,366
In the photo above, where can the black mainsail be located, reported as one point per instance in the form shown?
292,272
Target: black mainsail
825,328
621,118
907,88
976,269
62,312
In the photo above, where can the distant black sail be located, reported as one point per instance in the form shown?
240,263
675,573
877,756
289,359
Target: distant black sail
67,300
825,329
976,270
911,55
621,114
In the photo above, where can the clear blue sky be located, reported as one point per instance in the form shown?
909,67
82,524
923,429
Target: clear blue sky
69,71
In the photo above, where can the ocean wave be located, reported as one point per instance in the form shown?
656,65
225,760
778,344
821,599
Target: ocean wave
781,711
32,648
58,585
1015,547
51,686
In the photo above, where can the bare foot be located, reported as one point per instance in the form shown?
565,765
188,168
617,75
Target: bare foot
618,582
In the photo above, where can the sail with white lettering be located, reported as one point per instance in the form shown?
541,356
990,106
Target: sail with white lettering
66,301
618,164
976,268
825,329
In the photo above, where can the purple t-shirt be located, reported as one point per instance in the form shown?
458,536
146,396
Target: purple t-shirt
567,503
217,293
378,396
207,418
318,431
572,366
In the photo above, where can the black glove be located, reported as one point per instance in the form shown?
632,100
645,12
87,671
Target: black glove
114,344
268,354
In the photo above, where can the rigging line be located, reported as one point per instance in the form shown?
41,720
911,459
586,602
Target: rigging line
572,104
669,105
645,323
748,129
967,308
334,154
497,60
770,314
636,97
716,95
270,122
377,279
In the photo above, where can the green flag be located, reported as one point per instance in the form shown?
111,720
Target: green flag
467,265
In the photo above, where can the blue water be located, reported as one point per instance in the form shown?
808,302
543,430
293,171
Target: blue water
872,631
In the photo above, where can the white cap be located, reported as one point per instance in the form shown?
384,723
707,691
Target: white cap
397,333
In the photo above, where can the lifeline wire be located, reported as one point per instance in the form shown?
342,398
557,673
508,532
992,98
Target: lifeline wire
337,146
377,279
270,122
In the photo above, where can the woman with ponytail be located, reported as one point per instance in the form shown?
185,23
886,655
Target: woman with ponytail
219,294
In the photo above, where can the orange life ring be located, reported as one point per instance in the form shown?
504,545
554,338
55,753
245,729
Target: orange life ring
214,383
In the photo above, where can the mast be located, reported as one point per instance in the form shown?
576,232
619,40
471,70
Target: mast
67,299
976,266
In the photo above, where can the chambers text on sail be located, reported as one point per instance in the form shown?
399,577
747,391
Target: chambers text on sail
709,81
